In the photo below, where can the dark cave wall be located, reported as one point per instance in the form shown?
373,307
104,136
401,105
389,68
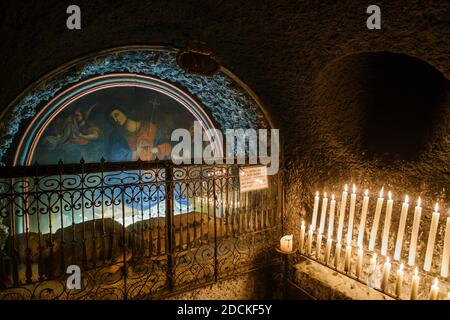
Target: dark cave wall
279,48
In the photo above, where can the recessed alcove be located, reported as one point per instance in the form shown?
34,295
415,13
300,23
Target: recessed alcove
383,106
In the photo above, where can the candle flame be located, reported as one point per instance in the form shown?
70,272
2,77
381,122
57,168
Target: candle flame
387,260
381,192
401,267
325,195
317,193
436,207
346,188
366,193
375,256
332,196
311,228
406,199
436,282
416,272
418,202
390,195
303,223
354,188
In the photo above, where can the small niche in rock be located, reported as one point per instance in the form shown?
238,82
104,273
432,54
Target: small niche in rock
383,106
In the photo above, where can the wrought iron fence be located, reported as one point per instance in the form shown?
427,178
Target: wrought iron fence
136,229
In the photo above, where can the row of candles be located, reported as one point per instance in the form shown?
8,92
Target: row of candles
286,242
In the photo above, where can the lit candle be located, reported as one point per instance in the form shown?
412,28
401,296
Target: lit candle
328,250
351,216
446,252
348,258
362,223
323,214
401,229
415,285
315,211
318,245
376,221
342,214
399,282
286,243
373,263
415,234
331,219
309,241
431,239
337,255
302,236
386,274
387,225
434,291
359,263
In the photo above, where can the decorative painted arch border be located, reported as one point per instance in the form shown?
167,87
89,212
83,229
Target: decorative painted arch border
228,103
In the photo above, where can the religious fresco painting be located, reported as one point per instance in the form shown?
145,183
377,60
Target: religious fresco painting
117,124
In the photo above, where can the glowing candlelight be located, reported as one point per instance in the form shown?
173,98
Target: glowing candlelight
342,214
331,219
318,244
328,250
302,236
359,263
315,211
401,229
348,258
415,285
387,225
399,281
337,255
362,223
351,216
431,239
323,214
286,243
309,241
386,274
434,291
415,234
376,221
446,252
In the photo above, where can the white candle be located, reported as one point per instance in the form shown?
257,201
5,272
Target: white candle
318,245
387,225
328,250
331,219
415,234
351,216
362,222
415,285
309,241
386,274
373,263
348,258
431,239
315,211
401,229
434,291
337,255
376,221
399,282
286,243
342,214
302,236
359,264
446,252
323,214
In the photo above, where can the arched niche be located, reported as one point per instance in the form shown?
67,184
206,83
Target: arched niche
382,106
140,78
